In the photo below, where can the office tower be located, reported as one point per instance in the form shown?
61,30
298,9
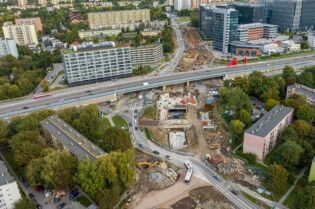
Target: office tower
250,13
22,34
9,191
8,46
88,62
206,21
34,20
117,19
255,31
182,4
225,23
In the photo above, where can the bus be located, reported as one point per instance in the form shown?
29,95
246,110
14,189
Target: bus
41,96
187,164
188,175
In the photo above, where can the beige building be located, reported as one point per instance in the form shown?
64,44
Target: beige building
262,137
24,34
117,19
146,55
22,3
35,20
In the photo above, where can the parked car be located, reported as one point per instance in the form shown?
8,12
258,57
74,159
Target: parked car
141,145
74,193
61,205
47,193
39,189
30,195
156,152
38,206
168,157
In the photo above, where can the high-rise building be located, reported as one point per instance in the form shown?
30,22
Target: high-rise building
206,21
9,191
250,13
292,15
255,31
225,23
8,46
88,62
24,34
117,19
182,4
34,20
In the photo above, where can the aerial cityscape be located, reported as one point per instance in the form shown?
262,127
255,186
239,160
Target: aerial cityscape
157,104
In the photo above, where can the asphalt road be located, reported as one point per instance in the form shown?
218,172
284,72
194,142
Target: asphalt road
75,95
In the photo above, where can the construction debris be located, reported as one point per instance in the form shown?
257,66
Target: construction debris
232,166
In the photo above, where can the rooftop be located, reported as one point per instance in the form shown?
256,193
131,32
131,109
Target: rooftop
304,90
255,25
115,11
89,46
5,176
269,121
77,144
244,44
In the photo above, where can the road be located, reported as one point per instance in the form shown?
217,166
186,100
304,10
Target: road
75,95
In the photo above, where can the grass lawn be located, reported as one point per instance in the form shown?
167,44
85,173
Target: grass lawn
147,133
105,124
249,197
182,19
119,122
150,112
83,201
292,199
9,157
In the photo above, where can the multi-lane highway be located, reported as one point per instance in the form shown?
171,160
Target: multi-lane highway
75,95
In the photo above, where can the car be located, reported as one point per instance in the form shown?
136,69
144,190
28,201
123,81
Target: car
141,145
168,157
61,205
74,193
47,193
216,177
156,152
31,195
136,128
130,124
38,206
25,107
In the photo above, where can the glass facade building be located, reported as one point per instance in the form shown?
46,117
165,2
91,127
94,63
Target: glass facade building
206,21
250,13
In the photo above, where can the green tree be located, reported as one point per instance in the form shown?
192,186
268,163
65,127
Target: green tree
295,101
115,139
25,204
279,178
270,103
24,151
33,172
307,198
302,128
236,129
244,116
3,128
306,113
241,82
289,75
235,99
306,78
44,85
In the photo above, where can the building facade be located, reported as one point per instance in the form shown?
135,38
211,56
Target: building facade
256,31
182,5
88,63
8,46
117,19
244,49
146,55
311,40
22,3
28,21
22,34
263,136
9,191
250,13
300,89
206,21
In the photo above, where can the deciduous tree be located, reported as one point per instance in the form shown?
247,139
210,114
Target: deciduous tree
279,178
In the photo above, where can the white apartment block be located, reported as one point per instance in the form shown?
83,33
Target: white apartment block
311,40
146,55
8,46
118,19
182,4
9,191
24,34
88,63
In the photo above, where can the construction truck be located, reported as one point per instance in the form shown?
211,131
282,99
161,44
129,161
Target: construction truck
215,159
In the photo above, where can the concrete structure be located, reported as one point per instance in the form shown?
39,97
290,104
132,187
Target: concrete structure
272,49
311,40
311,177
8,46
262,137
182,4
88,62
255,31
97,33
291,46
177,140
9,191
29,21
309,93
67,138
118,19
146,55
244,49
250,13
22,34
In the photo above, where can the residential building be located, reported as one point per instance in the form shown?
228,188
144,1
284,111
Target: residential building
75,18
255,31
250,13
225,23
8,46
97,33
67,138
311,40
206,21
88,62
291,46
9,190
29,21
195,4
182,5
57,2
300,89
22,3
24,34
118,19
263,136
311,177
146,55
244,49
42,2
292,15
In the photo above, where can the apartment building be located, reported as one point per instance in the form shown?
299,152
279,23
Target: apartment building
255,31
29,21
262,137
182,5
311,40
308,92
24,34
9,191
8,46
88,63
118,19
67,138
146,55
